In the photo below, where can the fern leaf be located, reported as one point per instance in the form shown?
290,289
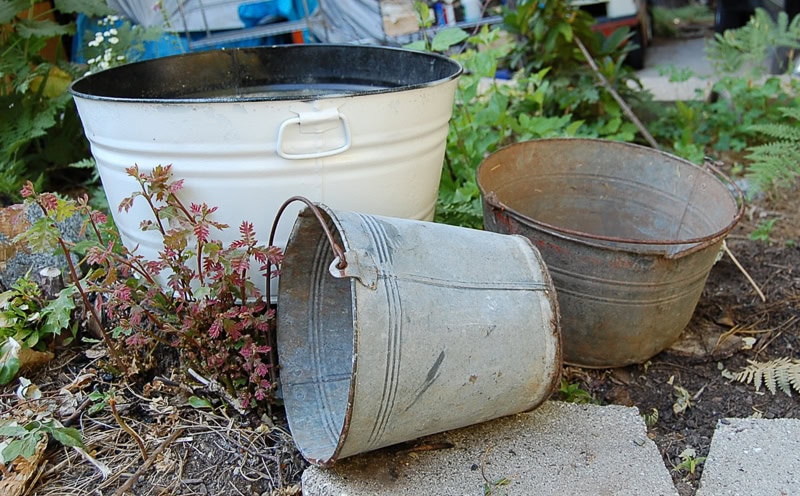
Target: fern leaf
781,373
783,132
776,164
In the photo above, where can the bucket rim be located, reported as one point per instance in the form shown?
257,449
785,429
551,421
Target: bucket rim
323,212
75,87
700,243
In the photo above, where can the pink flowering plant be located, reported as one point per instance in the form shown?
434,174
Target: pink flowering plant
197,297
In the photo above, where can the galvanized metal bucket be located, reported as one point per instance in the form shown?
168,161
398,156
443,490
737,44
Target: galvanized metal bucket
628,233
391,329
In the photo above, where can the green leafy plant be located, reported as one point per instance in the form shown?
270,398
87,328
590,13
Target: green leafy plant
99,401
197,298
41,137
546,33
763,230
729,122
741,110
23,439
689,461
27,320
760,41
776,164
488,115
573,393
780,373
26,316
553,94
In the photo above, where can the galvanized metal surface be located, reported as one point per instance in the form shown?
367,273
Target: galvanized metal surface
629,235
360,128
427,328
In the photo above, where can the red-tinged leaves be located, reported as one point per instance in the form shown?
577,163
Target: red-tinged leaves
126,203
240,264
215,329
133,171
247,232
201,232
28,190
211,312
98,217
49,202
175,186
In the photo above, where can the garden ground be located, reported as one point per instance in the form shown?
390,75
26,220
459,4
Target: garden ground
215,451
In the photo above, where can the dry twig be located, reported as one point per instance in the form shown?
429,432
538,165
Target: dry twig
743,271
147,463
625,107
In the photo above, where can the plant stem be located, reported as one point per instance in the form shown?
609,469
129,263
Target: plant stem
113,404
625,108
89,307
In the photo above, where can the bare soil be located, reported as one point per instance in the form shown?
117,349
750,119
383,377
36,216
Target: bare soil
716,344
215,451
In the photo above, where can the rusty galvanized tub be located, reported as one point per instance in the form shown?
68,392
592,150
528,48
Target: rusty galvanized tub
411,328
629,235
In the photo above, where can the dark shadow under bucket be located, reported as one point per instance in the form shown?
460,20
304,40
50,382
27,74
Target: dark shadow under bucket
426,328
629,235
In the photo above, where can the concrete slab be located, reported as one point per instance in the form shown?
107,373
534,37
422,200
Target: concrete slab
753,457
559,448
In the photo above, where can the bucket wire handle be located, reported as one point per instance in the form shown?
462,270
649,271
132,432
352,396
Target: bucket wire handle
337,250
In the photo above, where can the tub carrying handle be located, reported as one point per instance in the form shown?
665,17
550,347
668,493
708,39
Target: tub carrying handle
316,122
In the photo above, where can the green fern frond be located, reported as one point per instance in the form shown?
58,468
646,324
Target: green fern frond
776,164
781,373
791,112
783,132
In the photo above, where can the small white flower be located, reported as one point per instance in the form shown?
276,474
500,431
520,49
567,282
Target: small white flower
113,31
113,40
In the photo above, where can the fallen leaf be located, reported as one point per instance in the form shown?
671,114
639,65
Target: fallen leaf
24,470
726,319
28,390
79,382
683,400
748,342
95,353
31,359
